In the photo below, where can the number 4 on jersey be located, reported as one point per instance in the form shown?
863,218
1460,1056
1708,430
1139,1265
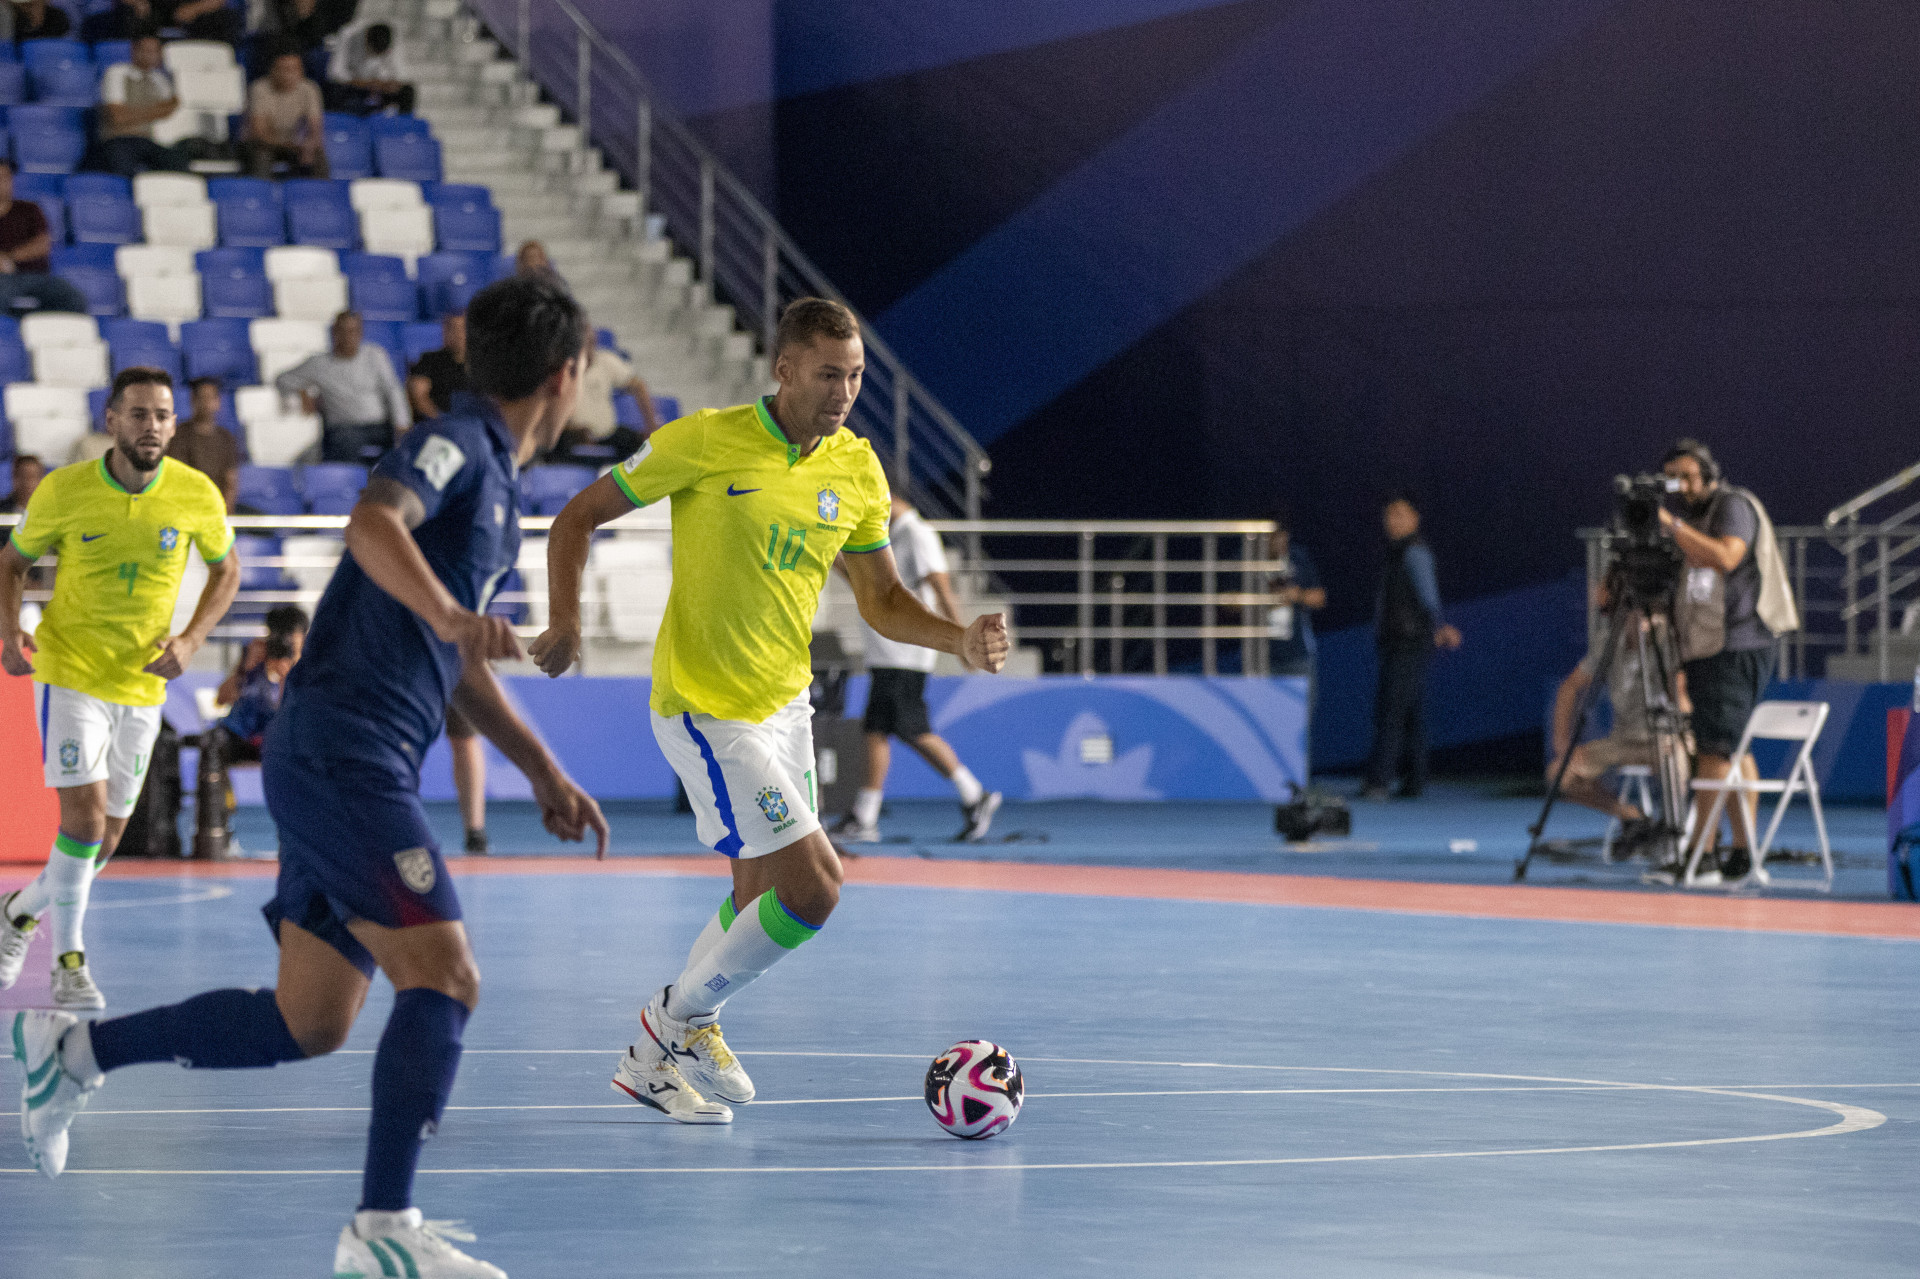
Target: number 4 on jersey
130,573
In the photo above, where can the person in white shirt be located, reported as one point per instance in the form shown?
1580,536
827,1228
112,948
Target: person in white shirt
897,691
367,76
133,95
355,391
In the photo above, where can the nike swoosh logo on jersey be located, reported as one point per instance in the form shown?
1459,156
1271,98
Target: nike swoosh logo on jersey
734,492
89,537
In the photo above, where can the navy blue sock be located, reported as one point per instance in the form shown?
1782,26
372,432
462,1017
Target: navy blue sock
220,1030
412,1078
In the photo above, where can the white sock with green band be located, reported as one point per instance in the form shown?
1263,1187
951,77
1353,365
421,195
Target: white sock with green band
71,873
63,866
756,939
713,933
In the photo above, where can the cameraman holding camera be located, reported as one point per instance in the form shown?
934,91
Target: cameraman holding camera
1735,586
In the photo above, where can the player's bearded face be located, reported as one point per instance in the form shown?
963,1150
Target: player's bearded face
142,426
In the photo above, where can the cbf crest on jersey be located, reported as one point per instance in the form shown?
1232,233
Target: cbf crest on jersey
169,538
416,869
829,506
773,804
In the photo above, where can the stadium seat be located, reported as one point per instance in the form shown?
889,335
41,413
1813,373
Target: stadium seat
133,333
323,224
153,259
420,338
39,186
380,288
190,226
626,411
234,284
607,339
300,262
140,342
66,256
15,364
13,83
66,349
274,436
666,408
278,345
369,194
54,210
545,489
216,91
407,155
38,55
75,185
156,357
47,139
254,548
172,298
449,280
331,488
102,287
227,187
251,220
270,490
152,190
393,126
467,227
61,72
96,217
108,52
456,193
218,348
407,233
46,420
349,144
385,334
196,55
307,284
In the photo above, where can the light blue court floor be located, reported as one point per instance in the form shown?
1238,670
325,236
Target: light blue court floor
1363,1093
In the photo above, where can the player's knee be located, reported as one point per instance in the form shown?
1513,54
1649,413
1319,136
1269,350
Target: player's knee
319,1032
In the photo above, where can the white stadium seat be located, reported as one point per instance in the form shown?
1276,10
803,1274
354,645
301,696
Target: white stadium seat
47,420
316,298
369,194
219,90
277,432
81,366
151,190
311,559
132,260
58,328
406,233
278,345
169,298
187,226
301,262
196,55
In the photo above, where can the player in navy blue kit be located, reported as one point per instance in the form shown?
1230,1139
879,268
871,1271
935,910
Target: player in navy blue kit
401,631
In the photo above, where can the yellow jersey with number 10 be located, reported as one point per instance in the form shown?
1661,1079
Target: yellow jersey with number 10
756,527
122,556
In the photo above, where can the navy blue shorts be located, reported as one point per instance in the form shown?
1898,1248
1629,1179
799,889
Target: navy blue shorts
354,844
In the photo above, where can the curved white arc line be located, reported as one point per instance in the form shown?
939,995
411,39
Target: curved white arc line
206,893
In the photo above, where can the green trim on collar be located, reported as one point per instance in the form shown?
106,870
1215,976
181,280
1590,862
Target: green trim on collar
114,484
772,427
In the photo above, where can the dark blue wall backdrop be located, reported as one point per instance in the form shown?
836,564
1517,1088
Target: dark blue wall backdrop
1179,259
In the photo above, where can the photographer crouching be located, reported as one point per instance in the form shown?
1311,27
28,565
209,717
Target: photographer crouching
1736,600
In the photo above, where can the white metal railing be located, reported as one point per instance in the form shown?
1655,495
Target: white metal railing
741,254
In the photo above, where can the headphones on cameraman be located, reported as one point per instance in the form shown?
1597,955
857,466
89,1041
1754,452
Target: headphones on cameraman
1700,453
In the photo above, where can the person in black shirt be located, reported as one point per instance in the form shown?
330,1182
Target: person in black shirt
38,20
199,19
1408,627
28,471
436,375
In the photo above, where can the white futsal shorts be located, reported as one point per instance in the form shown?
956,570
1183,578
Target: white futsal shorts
89,740
84,739
751,785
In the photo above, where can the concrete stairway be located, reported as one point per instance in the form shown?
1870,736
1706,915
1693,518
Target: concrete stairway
549,186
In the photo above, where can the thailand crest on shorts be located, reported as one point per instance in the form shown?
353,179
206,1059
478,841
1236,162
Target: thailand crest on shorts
416,869
773,804
829,506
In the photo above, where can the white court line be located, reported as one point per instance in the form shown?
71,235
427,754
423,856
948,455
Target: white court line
204,893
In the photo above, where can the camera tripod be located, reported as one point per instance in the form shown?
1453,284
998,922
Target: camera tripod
1653,632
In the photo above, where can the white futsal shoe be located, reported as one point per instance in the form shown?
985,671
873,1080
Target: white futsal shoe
52,1096
377,1244
13,944
979,817
73,985
654,1081
851,830
698,1050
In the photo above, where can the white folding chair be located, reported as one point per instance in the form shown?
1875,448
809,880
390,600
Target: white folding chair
1636,783
1773,722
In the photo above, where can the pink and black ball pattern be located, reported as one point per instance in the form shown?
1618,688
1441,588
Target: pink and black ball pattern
974,1089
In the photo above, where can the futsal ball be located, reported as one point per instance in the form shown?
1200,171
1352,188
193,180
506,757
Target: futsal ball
974,1089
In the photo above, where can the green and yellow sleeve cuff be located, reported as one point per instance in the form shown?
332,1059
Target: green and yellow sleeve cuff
869,548
620,478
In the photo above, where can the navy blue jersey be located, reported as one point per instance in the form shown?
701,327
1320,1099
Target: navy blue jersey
374,680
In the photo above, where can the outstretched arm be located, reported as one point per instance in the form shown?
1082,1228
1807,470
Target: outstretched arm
14,644
559,645
223,583
897,613
568,812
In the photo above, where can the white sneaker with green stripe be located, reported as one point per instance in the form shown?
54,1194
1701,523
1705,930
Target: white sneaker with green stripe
15,936
400,1245
52,1097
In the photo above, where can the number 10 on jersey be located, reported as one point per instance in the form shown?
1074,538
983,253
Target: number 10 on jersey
784,555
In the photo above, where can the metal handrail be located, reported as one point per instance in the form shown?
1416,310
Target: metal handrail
739,250
1853,506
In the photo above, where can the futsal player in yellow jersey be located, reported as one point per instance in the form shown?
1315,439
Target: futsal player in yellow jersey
765,496
102,655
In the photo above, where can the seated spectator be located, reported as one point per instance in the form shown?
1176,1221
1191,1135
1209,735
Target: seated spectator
132,96
436,375
532,259
300,27
353,388
367,76
205,445
38,20
284,124
196,19
26,256
594,420
28,471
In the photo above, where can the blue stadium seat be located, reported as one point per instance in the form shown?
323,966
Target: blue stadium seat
14,364
449,280
456,193
39,54
626,411
75,185
270,489
108,52
104,290
219,348
349,144
155,357
255,576
47,139
666,408
545,489
54,210
73,255
386,335
413,156
467,227
393,126
62,72
251,220
606,338
234,284
515,613
318,214
103,219
13,83
420,338
380,288
141,342
229,188
134,332
331,488
39,186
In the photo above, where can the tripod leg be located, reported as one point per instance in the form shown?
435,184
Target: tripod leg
1601,669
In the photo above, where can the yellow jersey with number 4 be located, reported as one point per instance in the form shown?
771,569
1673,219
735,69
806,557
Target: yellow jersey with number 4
756,527
122,556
